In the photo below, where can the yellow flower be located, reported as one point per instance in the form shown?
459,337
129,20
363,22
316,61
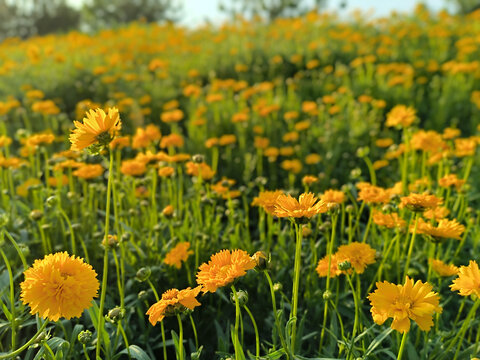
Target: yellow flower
88,172
266,200
133,167
447,229
97,127
443,269
202,169
333,197
468,280
179,253
58,286
403,303
322,266
420,202
22,190
359,255
223,268
401,115
372,194
306,206
173,302
388,220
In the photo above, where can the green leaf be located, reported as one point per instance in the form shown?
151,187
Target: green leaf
136,352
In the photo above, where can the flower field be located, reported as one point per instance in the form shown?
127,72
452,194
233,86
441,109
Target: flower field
302,189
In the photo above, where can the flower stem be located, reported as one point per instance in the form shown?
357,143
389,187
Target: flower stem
257,340
105,259
402,346
296,283
410,249
12,298
274,305
236,344
180,338
461,334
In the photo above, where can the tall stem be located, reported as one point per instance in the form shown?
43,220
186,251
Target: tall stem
180,338
410,249
236,343
30,342
105,259
296,283
255,328
402,346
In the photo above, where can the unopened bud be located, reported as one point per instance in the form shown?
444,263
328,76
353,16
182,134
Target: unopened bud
84,337
143,274
242,297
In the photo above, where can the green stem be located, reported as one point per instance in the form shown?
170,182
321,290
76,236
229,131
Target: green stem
105,260
402,346
180,338
461,334
355,300
277,321
30,342
296,283
410,249
257,340
194,328
236,343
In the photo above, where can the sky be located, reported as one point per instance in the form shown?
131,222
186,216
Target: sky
195,12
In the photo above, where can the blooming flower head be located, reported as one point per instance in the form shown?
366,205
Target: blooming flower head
179,253
223,268
322,266
266,200
468,280
420,202
89,171
202,169
97,128
401,115
173,302
443,269
446,229
359,255
372,194
58,286
333,197
306,206
388,220
410,301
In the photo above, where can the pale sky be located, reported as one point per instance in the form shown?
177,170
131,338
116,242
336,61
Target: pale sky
195,12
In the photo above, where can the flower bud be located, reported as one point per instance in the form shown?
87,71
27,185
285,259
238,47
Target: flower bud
327,295
242,296
51,201
115,314
262,260
306,231
111,241
198,158
85,336
344,265
143,274
168,211
277,287
36,214
142,295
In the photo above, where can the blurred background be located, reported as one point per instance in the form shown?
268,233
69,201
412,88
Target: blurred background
26,18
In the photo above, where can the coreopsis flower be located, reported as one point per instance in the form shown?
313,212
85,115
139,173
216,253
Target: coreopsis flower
133,167
443,269
5,141
388,220
359,255
166,171
468,280
401,115
428,141
173,302
172,140
309,179
322,266
410,301
372,194
266,200
306,206
440,212
446,229
59,286
22,189
380,164
179,253
451,180
46,107
333,197
202,169
465,147
384,143
39,139
88,172
97,128
223,268
420,202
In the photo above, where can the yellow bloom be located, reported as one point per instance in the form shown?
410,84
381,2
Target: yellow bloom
97,127
420,202
401,115
443,269
468,280
58,286
447,229
179,253
359,255
88,172
388,220
322,266
333,197
403,303
372,194
306,206
266,200
173,301
223,268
